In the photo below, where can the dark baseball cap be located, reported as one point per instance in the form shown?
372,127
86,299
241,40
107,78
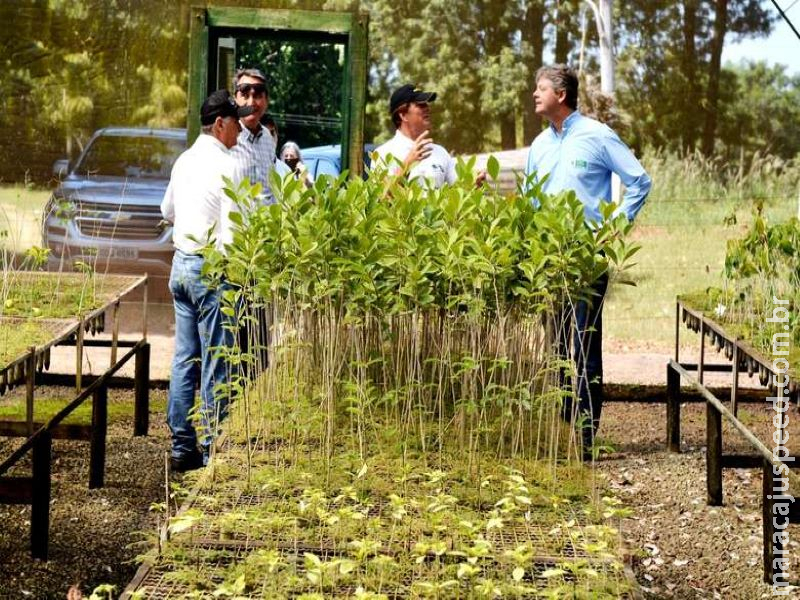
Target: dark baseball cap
409,93
221,104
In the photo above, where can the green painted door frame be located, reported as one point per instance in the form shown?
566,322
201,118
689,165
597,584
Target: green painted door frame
348,28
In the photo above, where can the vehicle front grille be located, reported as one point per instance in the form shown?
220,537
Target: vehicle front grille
118,221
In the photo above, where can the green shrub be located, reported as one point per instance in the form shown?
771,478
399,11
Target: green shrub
431,311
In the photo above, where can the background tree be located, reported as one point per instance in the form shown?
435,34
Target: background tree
671,56
759,111
742,17
532,52
566,26
73,66
469,52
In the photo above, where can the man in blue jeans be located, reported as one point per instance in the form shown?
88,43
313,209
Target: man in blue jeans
578,153
199,209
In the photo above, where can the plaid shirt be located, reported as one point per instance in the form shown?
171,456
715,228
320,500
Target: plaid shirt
254,154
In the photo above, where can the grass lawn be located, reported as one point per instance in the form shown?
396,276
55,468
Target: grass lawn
20,216
120,406
683,250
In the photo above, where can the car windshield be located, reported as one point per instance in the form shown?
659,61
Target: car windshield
130,156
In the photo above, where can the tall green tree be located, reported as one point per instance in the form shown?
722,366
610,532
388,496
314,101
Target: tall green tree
305,81
670,65
533,42
759,110
71,66
565,20
740,18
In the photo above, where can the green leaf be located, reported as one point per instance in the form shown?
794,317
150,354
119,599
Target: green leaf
493,167
346,566
548,573
185,521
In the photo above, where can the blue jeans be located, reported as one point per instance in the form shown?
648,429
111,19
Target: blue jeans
199,332
587,352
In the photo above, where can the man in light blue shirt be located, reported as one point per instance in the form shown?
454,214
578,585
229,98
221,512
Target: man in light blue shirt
578,153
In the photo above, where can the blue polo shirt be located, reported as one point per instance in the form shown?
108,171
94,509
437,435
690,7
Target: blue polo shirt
582,158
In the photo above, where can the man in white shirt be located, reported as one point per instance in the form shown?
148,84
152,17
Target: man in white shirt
255,152
197,205
411,152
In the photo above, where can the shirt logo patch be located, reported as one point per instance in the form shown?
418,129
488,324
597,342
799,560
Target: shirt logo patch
579,163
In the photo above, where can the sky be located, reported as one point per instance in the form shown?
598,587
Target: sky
781,47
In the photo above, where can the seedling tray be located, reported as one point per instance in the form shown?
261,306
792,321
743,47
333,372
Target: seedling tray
22,331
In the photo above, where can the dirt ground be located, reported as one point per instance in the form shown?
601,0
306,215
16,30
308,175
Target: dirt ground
94,534
683,547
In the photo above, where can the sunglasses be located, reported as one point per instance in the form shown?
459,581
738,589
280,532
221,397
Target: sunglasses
257,89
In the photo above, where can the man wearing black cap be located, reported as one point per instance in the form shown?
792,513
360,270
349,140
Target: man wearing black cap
196,204
412,151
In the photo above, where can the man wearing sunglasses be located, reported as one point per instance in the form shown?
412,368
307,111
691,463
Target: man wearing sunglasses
196,204
411,152
255,152
255,159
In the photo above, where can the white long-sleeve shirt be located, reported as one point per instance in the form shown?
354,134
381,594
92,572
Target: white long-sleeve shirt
195,201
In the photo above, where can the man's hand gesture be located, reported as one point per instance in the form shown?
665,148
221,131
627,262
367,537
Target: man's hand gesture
420,150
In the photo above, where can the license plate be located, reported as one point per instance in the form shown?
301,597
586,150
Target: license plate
123,253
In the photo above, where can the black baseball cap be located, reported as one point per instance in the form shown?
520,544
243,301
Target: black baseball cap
409,93
221,104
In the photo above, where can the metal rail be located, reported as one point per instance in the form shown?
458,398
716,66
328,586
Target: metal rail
744,358
36,489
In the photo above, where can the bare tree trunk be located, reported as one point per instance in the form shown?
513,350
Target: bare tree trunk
712,94
563,27
533,33
603,17
689,60
584,31
508,131
606,36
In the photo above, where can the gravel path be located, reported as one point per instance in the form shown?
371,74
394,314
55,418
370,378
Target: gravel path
93,533
686,549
